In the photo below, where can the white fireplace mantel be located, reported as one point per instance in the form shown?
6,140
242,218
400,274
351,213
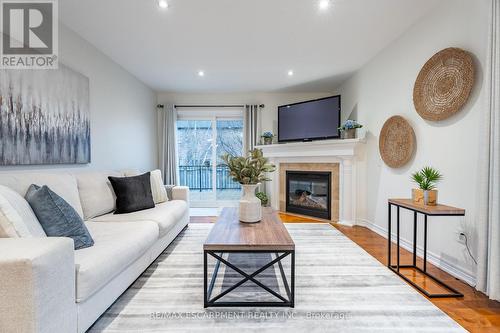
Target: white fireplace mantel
345,152
338,148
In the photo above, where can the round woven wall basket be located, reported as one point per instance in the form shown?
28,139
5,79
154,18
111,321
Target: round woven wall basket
443,84
397,142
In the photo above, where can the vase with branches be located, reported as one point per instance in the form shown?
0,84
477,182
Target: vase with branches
249,171
426,179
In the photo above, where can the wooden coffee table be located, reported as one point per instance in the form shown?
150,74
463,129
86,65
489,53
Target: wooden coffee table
229,235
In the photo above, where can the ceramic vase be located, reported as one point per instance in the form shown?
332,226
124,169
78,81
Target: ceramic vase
250,205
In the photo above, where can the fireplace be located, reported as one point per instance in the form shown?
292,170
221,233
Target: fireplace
308,193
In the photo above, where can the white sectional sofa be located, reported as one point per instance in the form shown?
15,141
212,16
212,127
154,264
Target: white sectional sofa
47,286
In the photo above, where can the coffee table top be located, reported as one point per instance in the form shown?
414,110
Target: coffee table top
229,234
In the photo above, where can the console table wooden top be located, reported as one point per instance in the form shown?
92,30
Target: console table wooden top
429,210
229,234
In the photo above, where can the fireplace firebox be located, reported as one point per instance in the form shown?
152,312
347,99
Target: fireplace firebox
308,193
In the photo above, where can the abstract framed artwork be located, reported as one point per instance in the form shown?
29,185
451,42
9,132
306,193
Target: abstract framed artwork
44,117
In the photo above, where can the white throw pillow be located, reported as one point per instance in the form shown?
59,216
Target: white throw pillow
16,216
157,187
96,193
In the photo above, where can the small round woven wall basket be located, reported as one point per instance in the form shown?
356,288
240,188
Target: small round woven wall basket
397,142
444,84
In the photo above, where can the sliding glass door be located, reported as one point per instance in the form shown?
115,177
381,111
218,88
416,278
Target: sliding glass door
194,139
229,141
202,139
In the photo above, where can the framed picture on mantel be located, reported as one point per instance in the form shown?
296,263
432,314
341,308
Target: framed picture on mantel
44,117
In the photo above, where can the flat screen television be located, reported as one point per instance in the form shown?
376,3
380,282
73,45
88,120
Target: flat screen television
318,119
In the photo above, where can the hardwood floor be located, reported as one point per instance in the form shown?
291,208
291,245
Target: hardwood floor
475,312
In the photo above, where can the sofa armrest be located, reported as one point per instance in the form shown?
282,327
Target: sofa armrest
37,289
180,193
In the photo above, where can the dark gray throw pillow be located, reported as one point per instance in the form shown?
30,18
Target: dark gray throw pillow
132,193
57,217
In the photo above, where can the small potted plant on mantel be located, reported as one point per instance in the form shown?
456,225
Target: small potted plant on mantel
427,178
249,171
267,137
349,128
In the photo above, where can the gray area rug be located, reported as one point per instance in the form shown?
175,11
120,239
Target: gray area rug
249,291
339,288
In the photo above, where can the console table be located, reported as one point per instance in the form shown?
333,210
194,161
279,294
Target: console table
439,210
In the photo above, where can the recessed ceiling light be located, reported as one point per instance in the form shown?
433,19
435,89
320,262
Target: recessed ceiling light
290,73
324,4
201,73
163,4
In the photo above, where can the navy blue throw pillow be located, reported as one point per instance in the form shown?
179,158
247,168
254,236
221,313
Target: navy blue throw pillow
57,217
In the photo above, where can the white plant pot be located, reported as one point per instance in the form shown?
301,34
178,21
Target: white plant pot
250,206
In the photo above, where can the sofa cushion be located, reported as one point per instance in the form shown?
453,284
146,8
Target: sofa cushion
96,193
16,216
57,217
116,245
166,215
63,184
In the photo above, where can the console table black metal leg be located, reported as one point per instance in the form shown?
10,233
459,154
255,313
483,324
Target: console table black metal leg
415,238
389,243
397,240
425,243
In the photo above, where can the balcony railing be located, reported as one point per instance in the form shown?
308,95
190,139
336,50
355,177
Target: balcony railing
199,178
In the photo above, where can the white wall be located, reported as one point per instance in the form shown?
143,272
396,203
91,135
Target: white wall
270,100
383,88
123,112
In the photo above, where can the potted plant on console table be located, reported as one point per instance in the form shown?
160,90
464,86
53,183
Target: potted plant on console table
249,171
427,178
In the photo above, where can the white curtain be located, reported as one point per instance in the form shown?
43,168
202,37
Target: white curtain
167,144
251,126
488,272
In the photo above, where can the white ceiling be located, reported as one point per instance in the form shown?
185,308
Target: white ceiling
242,45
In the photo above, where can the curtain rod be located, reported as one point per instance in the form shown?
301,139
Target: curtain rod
161,106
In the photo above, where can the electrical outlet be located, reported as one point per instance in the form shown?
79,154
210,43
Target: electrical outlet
462,237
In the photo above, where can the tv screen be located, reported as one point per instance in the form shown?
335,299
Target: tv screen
311,120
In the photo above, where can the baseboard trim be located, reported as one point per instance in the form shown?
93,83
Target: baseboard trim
433,258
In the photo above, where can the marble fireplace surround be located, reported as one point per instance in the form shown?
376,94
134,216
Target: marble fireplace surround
336,156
